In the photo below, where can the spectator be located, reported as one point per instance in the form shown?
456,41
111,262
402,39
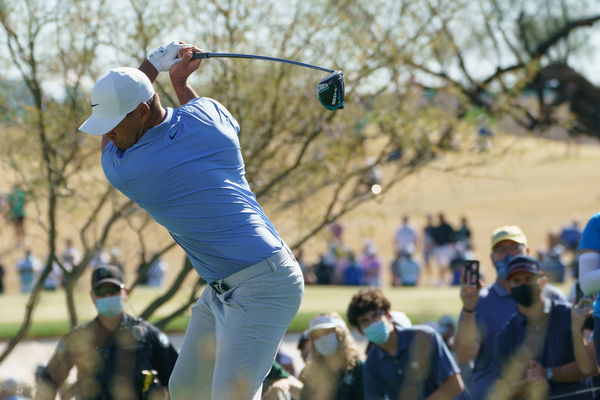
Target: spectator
484,134
114,353
463,234
443,238
371,265
405,270
100,259
156,272
28,268
406,237
325,269
428,245
354,272
486,311
16,202
589,270
552,264
10,390
70,255
403,363
54,278
334,369
537,340
570,235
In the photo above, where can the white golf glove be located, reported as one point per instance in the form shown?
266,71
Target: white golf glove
165,56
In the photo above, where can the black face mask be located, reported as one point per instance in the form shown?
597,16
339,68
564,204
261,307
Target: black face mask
523,295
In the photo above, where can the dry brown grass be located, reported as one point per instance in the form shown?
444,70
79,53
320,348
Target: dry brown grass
537,184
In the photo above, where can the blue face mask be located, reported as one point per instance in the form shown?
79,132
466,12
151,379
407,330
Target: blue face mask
110,306
502,266
378,332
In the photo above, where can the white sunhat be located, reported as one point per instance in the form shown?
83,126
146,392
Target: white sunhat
325,322
116,94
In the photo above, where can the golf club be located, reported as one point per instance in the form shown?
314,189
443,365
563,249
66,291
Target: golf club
330,90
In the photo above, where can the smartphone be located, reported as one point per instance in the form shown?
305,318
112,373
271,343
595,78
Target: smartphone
471,272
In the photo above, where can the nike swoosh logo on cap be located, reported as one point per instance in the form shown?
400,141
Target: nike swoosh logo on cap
94,105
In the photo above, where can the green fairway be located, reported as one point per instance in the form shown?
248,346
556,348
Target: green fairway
421,304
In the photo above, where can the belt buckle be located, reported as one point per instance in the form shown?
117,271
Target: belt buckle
219,286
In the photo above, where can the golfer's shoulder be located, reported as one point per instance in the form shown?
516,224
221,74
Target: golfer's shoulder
208,110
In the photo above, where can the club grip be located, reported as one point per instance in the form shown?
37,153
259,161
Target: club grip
200,55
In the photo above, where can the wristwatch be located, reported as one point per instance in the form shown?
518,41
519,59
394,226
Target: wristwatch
549,374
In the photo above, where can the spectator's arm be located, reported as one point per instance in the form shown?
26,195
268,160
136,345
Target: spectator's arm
567,373
54,374
585,354
468,338
448,390
290,385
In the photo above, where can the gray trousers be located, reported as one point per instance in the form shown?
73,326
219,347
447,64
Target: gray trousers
232,338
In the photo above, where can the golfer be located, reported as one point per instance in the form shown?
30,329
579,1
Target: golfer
185,168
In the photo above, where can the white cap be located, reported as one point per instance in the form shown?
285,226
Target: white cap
325,322
116,94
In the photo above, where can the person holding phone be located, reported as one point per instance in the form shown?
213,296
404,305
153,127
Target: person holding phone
486,310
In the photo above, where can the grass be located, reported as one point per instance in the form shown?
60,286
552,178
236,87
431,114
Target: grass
421,304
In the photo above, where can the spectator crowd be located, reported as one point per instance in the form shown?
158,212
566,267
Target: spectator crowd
518,337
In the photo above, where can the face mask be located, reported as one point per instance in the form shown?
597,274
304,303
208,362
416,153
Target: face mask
110,306
523,295
502,266
326,345
378,332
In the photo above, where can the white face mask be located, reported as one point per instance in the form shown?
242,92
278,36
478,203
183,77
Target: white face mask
326,345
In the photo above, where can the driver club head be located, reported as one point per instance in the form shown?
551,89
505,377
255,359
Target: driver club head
330,91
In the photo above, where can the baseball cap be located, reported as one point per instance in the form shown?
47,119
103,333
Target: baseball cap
524,264
509,232
116,94
325,322
107,274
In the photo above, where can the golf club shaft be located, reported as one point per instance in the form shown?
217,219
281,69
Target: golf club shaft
252,56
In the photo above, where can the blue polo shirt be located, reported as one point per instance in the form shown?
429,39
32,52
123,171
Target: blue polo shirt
188,174
387,376
494,308
556,351
590,238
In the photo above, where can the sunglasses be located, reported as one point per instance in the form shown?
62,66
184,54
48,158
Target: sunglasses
107,290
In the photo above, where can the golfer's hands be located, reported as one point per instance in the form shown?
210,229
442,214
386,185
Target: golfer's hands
165,56
182,69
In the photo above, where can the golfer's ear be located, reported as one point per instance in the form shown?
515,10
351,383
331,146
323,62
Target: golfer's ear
126,291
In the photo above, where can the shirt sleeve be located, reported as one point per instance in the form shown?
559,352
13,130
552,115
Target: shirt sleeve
163,355
444,365
590,238
55,372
